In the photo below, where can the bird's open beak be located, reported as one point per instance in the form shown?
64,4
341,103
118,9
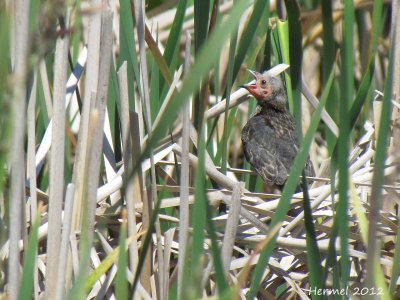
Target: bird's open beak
252,87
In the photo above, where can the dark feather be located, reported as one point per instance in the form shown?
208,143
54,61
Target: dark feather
269,137
270,145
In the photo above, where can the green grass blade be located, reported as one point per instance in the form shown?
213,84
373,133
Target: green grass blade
396,265
378,174
261,8
201,18
343,140
359,211
267,50
127,42
313,254
78,289
107,263
43,118
216,253
158,58
331,251
172,45
355,110
328,59
362,93
198,223
295,57
173,42
288,191
376,24
112,106
101,269
146,243
155,102
30,260
34,12
204,62
282,49
5,103
121,284
227,132
76,37
127,48
229,83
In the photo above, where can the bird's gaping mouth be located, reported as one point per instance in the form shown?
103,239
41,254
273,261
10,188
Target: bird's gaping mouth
260,88
252,88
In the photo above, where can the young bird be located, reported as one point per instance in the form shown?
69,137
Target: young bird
269,137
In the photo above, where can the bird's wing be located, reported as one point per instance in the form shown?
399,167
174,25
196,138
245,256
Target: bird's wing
270,145
309,169
266,162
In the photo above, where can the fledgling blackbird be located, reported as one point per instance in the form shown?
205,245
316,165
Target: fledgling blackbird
269,137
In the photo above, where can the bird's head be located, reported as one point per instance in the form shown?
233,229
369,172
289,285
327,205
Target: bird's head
268,90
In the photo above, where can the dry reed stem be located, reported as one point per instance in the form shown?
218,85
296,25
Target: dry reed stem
175,85
72,82
46,88
110,164
226,182
324,115
20,23
184,179
395,149
231,226
64,245
136,187
127,147
124,102
31,130
91,83
138,6
56,172
168,240
31,168
94,158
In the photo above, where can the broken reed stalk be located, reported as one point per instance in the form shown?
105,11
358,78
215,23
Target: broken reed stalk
91,83
94,157
80,161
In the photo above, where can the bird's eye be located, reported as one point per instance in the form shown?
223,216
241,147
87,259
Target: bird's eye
263,82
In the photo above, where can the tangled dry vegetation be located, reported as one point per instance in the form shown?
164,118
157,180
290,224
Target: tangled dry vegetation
119,160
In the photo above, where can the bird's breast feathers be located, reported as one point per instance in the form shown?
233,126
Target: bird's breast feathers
274,124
